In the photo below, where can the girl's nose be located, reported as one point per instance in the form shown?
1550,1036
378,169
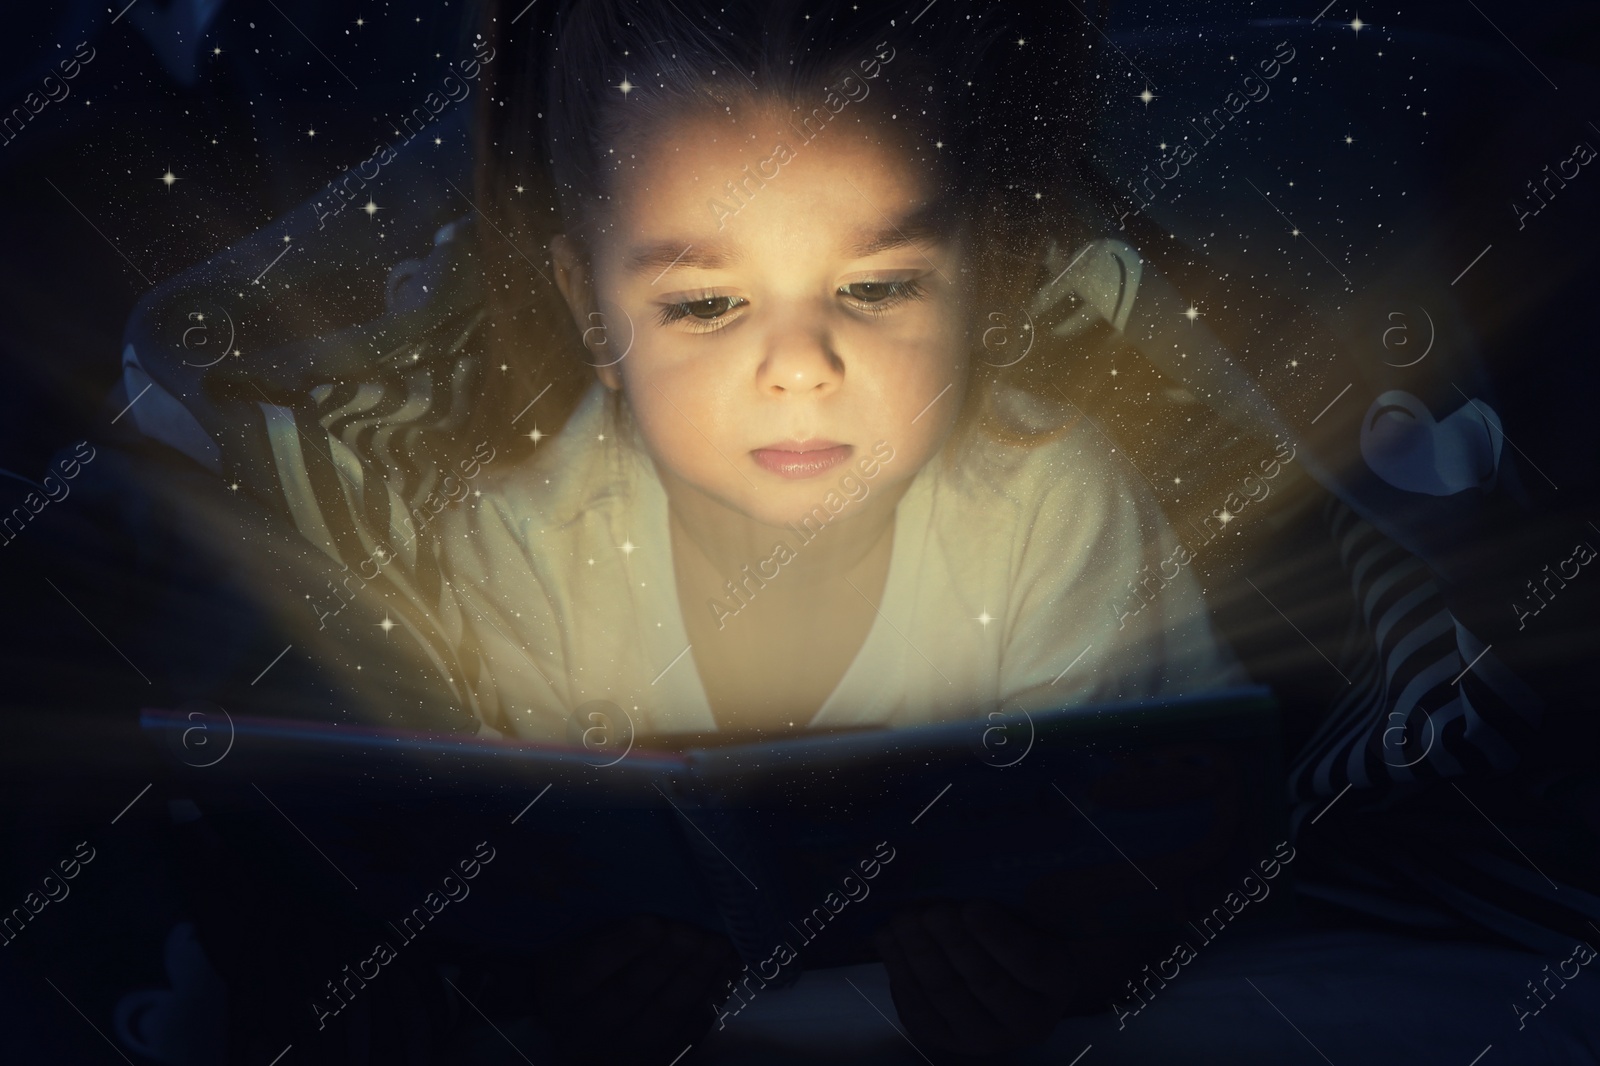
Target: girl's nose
800,362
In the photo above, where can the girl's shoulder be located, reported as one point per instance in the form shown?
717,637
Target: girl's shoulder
1040,477
568,476
1024,446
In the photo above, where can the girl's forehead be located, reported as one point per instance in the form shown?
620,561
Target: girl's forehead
725,183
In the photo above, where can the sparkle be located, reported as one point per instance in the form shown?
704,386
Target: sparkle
1177,481
1038,196
234,486
436,140
628,546
1224,517
1021,41
938,144
519,188
591,562
535,436
602,436
1293,363
1357,25
1192,314
216,51
169,177
1295,232
370,208
361,22
985,618
1147,96
387,623
626,86
1349,139
311,133
504,367
1113,371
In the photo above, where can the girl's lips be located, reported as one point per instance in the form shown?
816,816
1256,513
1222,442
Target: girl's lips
791,464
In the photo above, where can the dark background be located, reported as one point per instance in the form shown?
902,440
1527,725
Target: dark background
88,228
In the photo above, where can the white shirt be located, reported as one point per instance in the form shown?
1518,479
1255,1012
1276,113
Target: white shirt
1041,540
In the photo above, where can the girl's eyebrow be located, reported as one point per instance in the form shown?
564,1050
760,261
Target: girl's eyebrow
663,255
931,223
927,224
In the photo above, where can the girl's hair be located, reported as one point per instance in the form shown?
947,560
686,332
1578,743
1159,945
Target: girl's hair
996,100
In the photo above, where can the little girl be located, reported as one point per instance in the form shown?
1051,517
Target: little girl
796,492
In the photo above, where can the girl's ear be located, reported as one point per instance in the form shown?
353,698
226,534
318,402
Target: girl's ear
577,289
572,277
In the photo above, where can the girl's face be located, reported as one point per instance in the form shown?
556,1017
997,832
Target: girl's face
818,302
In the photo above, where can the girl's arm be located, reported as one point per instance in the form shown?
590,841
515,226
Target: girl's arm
1106,604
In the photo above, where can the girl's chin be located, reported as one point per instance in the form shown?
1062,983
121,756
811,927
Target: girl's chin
810,515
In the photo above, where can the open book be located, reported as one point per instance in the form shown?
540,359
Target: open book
798,848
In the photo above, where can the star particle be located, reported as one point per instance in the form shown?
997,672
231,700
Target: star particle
535,436
370,208
628,547
169,177
1147,96
1349,139
387,623
1192,314
985,618
1357,25
626,86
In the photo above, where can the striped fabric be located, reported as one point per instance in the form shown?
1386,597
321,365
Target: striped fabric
348,436
1418,724
1414,712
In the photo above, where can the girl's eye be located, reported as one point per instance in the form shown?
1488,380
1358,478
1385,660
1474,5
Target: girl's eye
714,312
705,312
875,297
